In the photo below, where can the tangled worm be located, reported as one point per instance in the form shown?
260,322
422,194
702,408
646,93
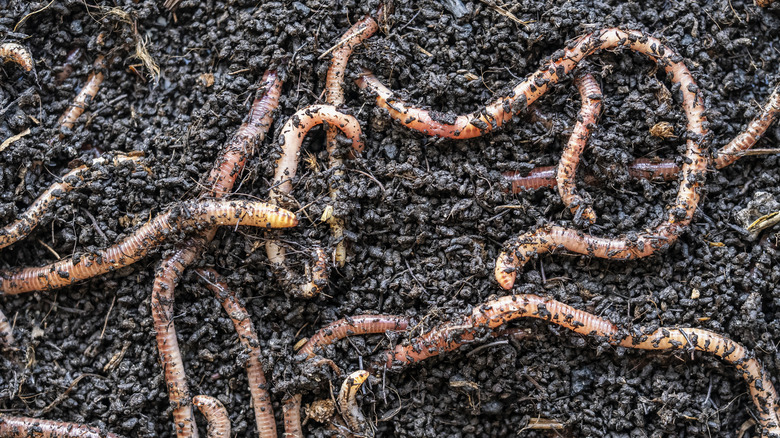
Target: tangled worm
292,137
350,411
187,215
355,325
216,415
567,167
334,95
518,251
754,131
493,314
85,96
16,53
220,181
545,177
24,427
291,408
258,387
32,217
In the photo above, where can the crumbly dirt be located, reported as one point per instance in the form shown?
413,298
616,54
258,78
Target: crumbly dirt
426,217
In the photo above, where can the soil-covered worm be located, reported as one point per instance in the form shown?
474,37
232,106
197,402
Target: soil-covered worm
334,95
754,131
496,313
85,96
216,416
17,53
292,136
348,405
518,251
352,326
247,335
658,170
590,92
291,408
7,341
32,217
67,67
220,181
187,215
25,427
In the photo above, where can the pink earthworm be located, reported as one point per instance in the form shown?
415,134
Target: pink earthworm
24,427
754,131
85,96
292,417
354,325
216,415
17,53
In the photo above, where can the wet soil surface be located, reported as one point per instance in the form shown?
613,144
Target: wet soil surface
426,217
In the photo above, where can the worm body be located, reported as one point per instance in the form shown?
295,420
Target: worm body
334,95
85,96
544,177
567,167
32,217
16,53
208,213
220,181
292,417
292,136
355,325
348,405
24,427
247,335
450,335
67,67
518,250
755,130
216,415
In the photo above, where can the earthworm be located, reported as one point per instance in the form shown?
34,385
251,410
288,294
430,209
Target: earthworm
755,130
17,53
544,177
518,250
334,95
7,341
292,417
495,313
567,167
258,388
220,180
85,96
31,217
216,415
206,213
355,325
67,67
292,136
25,427
348,405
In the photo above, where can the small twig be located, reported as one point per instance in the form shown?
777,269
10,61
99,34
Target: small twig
60,398
105,323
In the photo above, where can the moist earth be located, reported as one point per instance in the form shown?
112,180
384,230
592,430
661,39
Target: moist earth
426,217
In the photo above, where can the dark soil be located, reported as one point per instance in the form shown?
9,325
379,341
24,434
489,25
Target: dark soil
427,217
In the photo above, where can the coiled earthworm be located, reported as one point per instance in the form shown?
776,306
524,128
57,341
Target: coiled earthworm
31,217
258,387
216,415
25,427
220,181
334,95
7,341
291,407
85,96
544,177
567,166
350,411
207,213
754,131
17,53
498,312
292,136
351,326
518,250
